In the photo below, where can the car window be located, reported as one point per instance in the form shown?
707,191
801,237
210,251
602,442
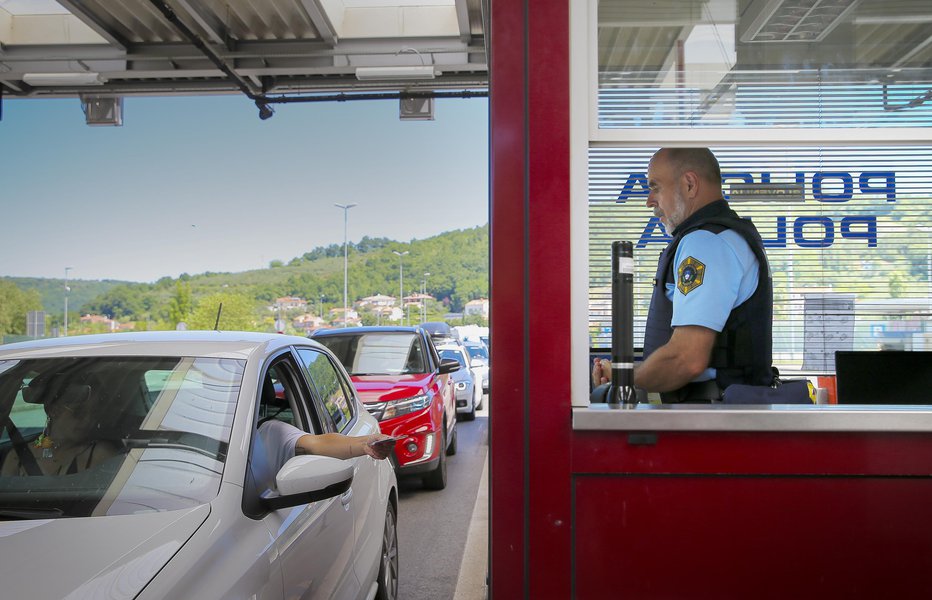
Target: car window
275,399
453,355
432,349
377,353
284,407
330,386
477,352
115,435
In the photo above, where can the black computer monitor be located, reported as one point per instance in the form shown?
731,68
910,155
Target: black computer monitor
883,377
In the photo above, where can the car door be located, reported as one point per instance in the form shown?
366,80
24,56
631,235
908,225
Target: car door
315,541
447,391
339,409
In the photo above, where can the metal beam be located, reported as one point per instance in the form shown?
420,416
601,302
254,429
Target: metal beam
79,10
244,49
921,46
243,84
321,21
216,30
462,19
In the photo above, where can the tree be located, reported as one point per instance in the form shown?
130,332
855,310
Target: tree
14,304
239,313
181,304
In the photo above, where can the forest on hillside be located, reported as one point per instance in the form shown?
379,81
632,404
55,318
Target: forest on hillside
453,267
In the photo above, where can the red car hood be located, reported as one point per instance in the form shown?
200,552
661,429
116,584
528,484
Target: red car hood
382,388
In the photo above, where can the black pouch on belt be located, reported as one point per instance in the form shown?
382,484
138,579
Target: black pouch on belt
794,391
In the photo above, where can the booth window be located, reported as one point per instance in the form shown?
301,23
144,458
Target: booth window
819,112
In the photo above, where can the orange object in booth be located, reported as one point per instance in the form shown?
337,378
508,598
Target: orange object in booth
828,382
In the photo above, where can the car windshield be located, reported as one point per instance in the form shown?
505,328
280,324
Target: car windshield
454,355
95,436
377,353
477,352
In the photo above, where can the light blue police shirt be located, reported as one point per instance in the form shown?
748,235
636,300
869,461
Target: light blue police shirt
714,272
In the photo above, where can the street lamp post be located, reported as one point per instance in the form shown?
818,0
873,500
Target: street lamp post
67,289
422,310
426,275
345,208
401,278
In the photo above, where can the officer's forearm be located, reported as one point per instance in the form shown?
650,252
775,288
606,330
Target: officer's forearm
661,373
677,362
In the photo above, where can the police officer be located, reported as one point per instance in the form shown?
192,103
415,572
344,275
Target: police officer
710,319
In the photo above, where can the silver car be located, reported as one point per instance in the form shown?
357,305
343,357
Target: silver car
479,362
466,387
132,467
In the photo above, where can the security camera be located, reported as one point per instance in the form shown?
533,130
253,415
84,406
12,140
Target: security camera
265,111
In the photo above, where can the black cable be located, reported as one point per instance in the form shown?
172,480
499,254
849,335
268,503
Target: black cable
344,97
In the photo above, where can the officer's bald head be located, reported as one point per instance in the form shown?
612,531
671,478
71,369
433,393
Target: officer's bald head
700,161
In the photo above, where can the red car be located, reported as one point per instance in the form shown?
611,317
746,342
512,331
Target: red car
404,384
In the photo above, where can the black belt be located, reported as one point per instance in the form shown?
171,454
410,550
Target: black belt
696,392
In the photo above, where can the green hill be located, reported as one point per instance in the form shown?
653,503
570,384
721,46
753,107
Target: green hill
457,263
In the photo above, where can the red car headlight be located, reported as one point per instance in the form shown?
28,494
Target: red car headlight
396,408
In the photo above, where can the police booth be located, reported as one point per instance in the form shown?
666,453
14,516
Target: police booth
820,113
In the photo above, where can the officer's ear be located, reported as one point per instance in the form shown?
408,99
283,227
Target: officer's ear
692,183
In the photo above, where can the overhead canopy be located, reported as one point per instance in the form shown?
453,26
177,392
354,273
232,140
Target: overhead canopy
259,47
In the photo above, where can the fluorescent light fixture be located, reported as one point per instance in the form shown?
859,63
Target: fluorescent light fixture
792,20
395,73
72,78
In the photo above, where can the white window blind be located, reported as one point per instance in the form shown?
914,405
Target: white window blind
848,233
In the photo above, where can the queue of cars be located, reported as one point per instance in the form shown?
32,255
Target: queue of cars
146,447
151,445
405,384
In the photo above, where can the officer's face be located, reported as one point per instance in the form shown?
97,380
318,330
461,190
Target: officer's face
666,197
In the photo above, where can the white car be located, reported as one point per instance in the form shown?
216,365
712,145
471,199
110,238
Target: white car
172,493
479,362
467,389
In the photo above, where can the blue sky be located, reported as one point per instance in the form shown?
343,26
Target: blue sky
194,184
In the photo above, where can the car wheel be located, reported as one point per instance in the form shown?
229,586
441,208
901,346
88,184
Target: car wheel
451,449
471,415
437,479
388,567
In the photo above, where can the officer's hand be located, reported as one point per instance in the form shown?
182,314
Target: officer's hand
601,371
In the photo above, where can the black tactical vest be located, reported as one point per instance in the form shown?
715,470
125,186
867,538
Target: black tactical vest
742,350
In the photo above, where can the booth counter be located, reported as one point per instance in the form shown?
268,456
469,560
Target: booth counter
754,502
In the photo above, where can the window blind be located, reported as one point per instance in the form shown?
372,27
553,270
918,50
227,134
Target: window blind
848,234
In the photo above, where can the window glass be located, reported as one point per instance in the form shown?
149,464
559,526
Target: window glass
845,229
276,399
377,353
446,354
115,435
330,387
764,63
845,223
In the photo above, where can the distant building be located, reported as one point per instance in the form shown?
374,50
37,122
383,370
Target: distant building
479,306
377,301
107,322
417,299
337,319
289,303
308,322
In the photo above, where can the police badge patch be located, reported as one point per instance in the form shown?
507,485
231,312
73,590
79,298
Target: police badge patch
689,275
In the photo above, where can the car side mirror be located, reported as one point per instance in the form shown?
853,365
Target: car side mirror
449,365
306,479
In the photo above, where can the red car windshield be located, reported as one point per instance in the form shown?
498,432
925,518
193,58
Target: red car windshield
378,353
